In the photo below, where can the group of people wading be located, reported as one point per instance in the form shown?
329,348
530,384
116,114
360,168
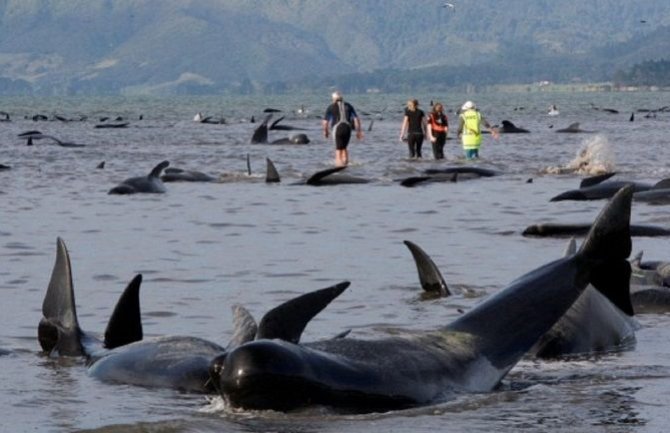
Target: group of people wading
341,118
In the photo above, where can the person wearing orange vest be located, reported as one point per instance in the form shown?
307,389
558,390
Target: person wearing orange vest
470,123
437,127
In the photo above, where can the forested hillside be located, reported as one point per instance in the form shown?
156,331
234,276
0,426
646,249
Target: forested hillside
216,46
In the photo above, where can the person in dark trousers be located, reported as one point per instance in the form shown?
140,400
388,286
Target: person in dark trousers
437,127
413,128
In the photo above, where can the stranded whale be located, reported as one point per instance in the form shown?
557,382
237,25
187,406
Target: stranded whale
143,184
472,354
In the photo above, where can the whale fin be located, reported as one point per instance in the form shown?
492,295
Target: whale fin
156,172
125,324
414,180
248,165
276,122
260,134
288,320
662,184
570,248
59,328
608,243
429,275
271,175
316,177
245,327
594,180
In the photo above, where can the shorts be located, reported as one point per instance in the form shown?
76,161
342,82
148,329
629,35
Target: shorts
342,135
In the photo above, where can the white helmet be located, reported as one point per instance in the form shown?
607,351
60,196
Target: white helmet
469,105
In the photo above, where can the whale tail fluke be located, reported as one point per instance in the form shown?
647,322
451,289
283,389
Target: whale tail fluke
59,329
125,324
156,172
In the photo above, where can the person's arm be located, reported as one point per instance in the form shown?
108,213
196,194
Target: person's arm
403,127
429,132
461,123
325,127
494,131
358,127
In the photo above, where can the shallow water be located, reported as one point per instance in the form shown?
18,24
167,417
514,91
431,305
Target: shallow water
204,247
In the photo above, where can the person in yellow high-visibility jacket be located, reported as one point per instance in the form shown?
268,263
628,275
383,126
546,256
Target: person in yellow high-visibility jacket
470,123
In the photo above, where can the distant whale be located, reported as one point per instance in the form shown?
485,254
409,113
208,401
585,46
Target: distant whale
650,273
293,139
471,354
143,184
573,128
173,174
37,135
510,128
600,187
449,174
333,176
566,230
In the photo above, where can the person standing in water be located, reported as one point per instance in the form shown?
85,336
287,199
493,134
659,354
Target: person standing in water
437,128
414,125
342,118
470,122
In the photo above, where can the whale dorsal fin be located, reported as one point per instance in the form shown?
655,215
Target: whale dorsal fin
248,165
271,174
608,244
245,327
316,177
288,320
429,275
59,328
662,184
156,172
570,248
595,180
125,324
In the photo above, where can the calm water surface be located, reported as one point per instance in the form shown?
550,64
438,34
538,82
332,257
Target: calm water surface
204,247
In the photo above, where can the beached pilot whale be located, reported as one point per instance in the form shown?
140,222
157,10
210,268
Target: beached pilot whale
510,128
59,332
177,362
472,354
573,128
32,135
567,230
123,356
329,176
150,183
600,187
595,323
650,285
173,174
449,174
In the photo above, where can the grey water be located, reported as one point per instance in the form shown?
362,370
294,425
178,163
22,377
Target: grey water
203,247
